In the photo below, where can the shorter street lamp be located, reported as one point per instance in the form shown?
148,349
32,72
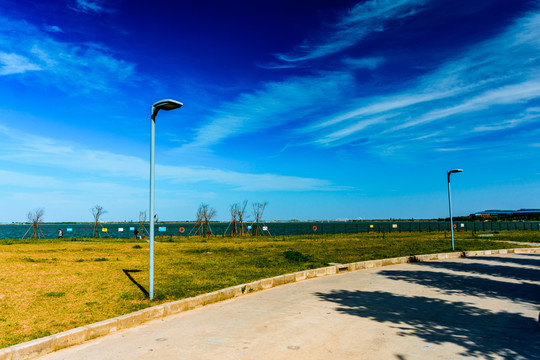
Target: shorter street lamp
167,105
448,173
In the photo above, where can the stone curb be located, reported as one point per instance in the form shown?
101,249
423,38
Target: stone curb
42,346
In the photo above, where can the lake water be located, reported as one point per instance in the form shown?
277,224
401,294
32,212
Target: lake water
114,230
126,230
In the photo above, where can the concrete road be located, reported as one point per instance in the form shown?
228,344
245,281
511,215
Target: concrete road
470,308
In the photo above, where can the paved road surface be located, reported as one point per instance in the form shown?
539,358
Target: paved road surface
485,307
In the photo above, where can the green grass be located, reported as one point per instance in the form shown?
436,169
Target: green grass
52,285
55,294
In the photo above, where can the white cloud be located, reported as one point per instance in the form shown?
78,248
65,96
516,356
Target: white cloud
30,181
80,67
454,149
16,64
494,83
379,105
505,125
364,63
358,126
272,105
53,29
18,179
515,93
88,6
364,18
242,181
37,150
498,72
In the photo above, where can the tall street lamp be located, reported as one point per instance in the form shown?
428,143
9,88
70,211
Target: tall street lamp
167,105
448,173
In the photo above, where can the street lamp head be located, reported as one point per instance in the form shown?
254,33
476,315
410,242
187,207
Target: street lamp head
449,172
166,104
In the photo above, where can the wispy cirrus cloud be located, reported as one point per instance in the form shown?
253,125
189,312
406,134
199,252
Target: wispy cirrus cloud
53,29
23,148
88,6
495,83
532,115
353,128
364,18
510,94
16,64
274,104
69,66
20,179
492,81
369,63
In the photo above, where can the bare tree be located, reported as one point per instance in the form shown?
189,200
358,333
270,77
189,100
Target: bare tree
242,218
234,220
198,229
258,210
204,215
97,212
35,218
209,214
237,223
142,221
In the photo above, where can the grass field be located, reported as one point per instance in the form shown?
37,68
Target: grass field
49,285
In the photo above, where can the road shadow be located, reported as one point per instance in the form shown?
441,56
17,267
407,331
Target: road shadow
523,259
511,272
469,285
481,333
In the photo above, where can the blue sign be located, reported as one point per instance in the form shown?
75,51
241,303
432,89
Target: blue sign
162,228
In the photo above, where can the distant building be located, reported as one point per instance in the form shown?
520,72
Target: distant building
503,214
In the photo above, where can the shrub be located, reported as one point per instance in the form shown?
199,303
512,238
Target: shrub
55,294
295,256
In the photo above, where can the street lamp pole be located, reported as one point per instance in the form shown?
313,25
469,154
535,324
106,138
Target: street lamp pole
448,173
167,105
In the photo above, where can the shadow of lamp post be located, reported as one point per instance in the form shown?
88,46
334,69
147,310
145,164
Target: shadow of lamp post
167,105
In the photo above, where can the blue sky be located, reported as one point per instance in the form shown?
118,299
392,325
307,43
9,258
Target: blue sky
324,109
